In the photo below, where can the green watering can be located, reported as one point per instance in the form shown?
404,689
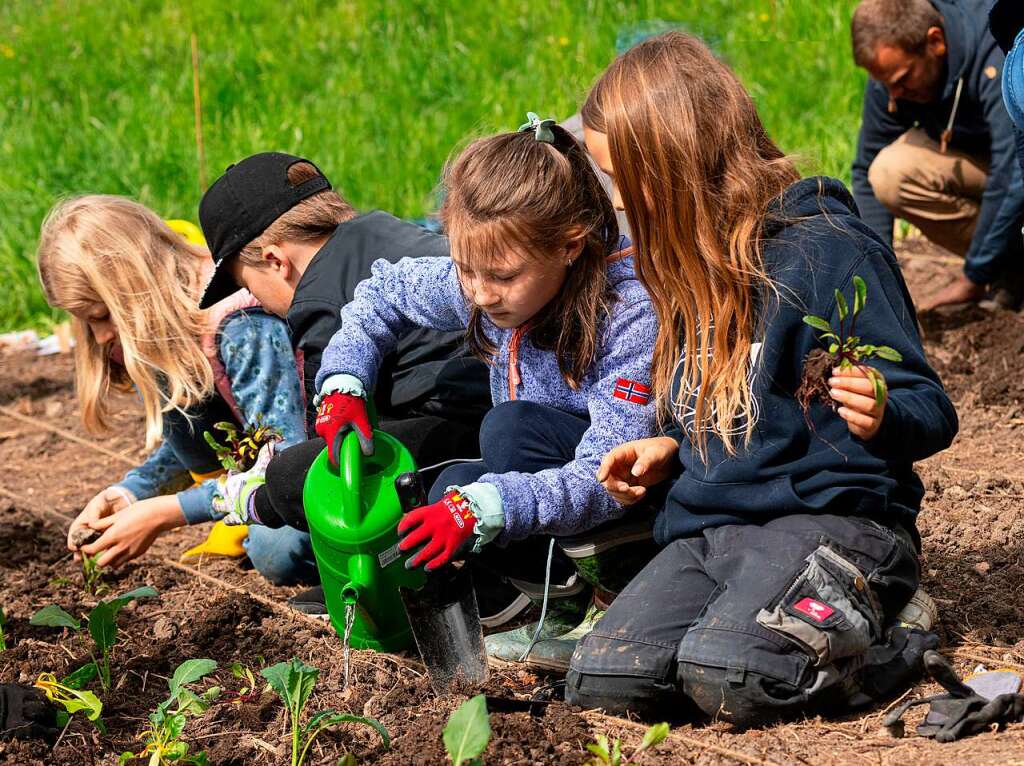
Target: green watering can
353,512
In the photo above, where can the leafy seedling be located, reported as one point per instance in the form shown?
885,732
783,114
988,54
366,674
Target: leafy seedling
844,350
610,753
72,699
3,623
163,743
248,692
294,681
102,627
92,576
240,447
468,731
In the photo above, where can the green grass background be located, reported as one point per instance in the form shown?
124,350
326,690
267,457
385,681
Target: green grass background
97,96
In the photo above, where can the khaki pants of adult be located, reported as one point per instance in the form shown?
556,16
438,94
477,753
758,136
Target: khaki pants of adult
938,193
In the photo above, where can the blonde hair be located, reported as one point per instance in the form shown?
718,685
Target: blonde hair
511,190
118,252
311,219
697,172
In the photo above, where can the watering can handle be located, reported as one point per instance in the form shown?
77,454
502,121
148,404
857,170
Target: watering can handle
350,465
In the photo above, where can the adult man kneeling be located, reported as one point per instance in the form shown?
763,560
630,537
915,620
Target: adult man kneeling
936,144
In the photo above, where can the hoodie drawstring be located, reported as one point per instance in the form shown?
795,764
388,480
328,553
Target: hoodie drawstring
947,134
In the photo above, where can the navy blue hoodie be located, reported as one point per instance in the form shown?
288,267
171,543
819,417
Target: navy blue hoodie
815,243
981,128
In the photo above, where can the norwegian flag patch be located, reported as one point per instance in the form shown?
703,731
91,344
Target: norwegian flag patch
631,391
818,611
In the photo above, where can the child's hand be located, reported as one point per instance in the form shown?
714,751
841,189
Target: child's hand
630,468
128,534
109,501
853,389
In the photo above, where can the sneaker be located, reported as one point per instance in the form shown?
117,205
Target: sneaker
920,613
552,652
498,600
311,602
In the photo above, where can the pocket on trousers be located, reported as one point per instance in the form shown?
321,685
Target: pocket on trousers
829,610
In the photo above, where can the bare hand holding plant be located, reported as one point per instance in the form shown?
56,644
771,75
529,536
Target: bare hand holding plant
856,393
108,502
629,469
129,533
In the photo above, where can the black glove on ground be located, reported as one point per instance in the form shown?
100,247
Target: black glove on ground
25,713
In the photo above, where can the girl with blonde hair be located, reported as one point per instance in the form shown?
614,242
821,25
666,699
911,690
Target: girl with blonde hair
790,538
132,287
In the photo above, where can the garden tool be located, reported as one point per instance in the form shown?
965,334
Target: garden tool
26,714
223,540
966,708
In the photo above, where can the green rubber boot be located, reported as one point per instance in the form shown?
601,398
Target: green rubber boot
563,627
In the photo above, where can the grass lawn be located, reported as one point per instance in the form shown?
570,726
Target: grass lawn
96,96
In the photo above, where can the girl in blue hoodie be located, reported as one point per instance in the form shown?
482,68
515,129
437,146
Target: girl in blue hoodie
537,280
790,538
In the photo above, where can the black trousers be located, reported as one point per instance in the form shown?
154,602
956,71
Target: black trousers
747,622
429,438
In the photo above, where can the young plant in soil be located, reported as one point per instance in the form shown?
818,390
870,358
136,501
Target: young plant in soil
102,627
240,448
845,351
69,696
294,681
3,622
163,743
610,753
468,731
248,692
92,574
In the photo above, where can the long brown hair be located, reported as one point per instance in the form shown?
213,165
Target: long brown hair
112,250
697,173
511,190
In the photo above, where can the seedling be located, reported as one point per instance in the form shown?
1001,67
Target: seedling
248,692
294,681
92,576
72,699
610,753
164,745
468,731
102,627
845,351
3,622
240,448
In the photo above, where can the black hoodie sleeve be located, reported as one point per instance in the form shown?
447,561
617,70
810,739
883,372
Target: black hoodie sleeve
878,129
919,419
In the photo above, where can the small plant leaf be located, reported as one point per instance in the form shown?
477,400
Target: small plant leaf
293,681
888,354
833,348
878,382
82,676
119,602
53,616
860,295
617,752
468,730
103,625
600,752
189,672
326,718
841,306
817,323
654,736
347,760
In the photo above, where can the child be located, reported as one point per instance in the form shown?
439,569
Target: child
131,285
790,542
276,227
566,331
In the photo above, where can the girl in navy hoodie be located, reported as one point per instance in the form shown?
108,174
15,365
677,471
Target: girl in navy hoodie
790,539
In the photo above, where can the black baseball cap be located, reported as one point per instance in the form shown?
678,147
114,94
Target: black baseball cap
241,204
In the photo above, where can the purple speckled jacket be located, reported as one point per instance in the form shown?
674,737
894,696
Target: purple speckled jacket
425,292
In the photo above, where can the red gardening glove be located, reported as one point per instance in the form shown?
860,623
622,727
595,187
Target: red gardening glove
336,414
443,526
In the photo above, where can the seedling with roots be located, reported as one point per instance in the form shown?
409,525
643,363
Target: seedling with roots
240,448
163,743
845,351
610,753
102,627
294,681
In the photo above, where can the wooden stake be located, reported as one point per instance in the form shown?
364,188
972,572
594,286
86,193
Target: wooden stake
200,151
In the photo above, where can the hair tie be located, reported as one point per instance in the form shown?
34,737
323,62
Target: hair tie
542,129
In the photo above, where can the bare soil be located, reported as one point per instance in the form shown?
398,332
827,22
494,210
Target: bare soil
972,526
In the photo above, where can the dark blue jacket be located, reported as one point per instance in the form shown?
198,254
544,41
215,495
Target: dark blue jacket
814,244
982,128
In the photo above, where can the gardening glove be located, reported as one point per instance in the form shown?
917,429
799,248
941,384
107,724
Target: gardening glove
26,714
443,528
963,710
222,541
337,412
237,490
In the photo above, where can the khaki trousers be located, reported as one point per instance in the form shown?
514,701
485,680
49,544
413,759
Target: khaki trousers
938,193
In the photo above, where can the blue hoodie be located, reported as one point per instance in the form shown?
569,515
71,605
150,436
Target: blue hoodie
981,128
425,292
814,244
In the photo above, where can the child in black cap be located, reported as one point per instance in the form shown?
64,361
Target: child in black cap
275,226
